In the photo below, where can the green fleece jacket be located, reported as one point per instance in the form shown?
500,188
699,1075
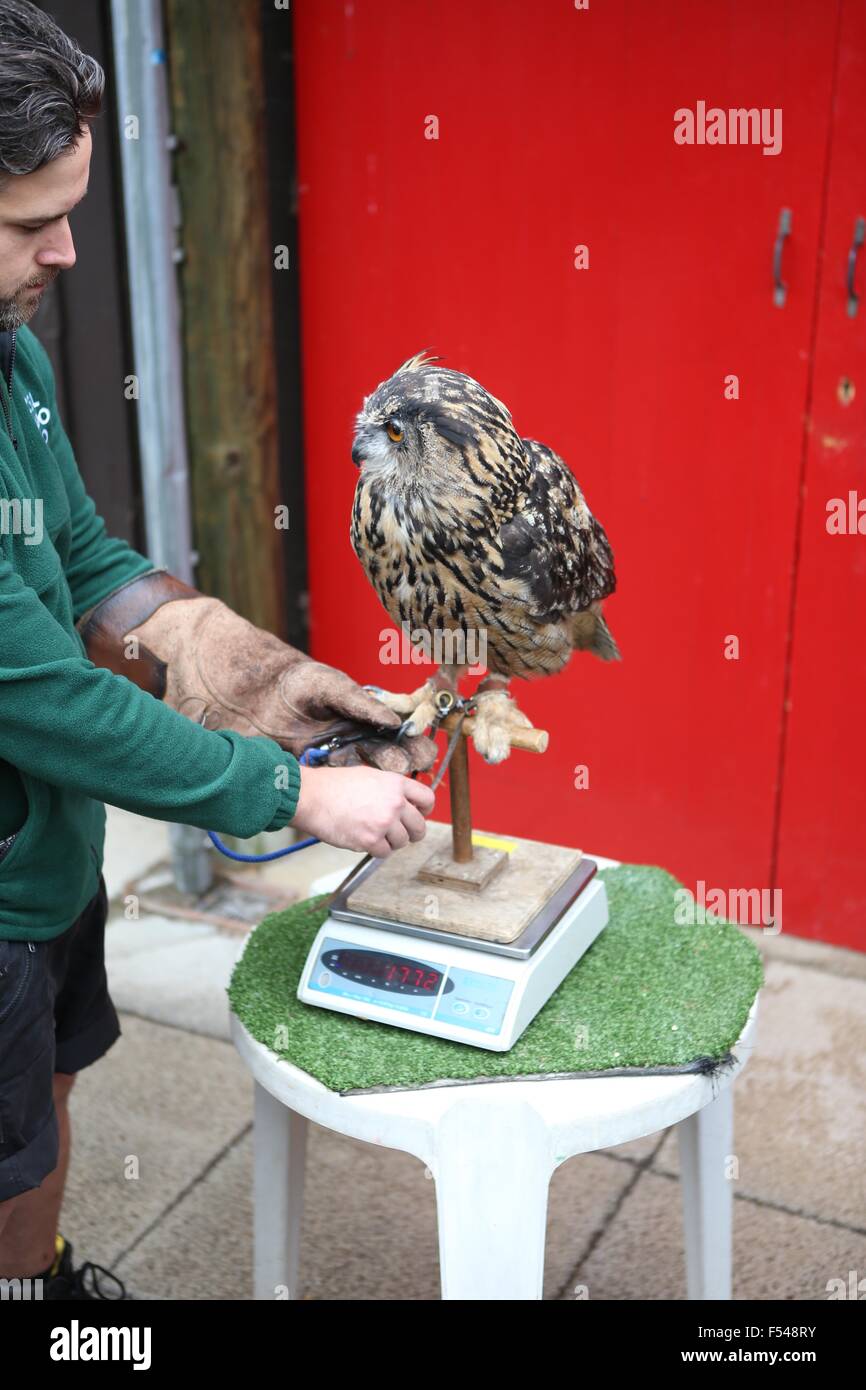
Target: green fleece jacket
72,735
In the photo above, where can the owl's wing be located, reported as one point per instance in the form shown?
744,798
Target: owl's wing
553,543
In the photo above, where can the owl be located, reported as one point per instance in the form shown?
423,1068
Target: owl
474,537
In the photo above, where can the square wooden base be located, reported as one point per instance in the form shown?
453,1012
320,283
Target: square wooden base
501,910
473,877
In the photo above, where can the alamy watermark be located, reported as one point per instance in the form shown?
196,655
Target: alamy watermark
846,516
746,906
21,1290
22,516
442,646
855,1288
83,1343
711,125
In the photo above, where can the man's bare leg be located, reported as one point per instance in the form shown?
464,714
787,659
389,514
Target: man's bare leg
28,1224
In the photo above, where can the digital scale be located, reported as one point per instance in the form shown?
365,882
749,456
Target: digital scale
467,942
432,980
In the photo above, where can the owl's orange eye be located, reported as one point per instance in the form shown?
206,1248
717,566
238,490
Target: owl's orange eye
395,433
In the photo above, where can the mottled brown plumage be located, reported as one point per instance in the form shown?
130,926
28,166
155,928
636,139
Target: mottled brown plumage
462,525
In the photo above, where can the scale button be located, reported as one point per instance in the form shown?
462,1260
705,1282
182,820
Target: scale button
459,1007
479,1012
325,977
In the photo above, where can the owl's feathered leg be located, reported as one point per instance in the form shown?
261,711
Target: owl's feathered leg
496,718
421,703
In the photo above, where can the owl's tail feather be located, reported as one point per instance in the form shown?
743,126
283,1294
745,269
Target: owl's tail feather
592,634
604,643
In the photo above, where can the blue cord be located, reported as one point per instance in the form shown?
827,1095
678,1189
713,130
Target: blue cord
259,858
311,758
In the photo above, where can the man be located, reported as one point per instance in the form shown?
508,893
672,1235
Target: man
89,634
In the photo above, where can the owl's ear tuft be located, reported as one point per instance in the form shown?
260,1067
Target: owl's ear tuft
421,359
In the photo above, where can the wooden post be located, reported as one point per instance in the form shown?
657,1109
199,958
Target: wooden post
469,868
217,87
461,808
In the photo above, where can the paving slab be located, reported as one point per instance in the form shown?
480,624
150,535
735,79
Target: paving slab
161,1103
181,982
132,844
800,1104
776,1256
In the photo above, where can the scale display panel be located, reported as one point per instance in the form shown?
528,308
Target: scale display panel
410,984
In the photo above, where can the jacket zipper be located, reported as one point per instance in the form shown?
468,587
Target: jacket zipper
7,410
28,962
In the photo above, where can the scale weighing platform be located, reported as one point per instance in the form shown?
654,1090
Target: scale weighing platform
449,984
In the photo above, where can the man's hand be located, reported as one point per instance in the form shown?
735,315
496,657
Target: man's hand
363,809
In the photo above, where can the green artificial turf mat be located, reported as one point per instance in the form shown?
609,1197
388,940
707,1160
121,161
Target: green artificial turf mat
649,996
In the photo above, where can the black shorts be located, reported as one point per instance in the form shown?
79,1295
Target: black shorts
55,1016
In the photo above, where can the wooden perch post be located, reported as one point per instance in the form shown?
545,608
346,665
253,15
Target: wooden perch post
471,867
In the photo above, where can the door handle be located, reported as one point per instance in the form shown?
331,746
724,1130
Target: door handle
780,289
859,235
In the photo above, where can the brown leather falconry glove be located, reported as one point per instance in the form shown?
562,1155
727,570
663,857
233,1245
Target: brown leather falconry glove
212,665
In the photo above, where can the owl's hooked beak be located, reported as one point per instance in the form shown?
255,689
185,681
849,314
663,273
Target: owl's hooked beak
362,445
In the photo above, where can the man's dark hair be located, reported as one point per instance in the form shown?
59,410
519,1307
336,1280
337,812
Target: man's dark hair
48,89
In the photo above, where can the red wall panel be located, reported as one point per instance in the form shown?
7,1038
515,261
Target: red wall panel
556,129
822,850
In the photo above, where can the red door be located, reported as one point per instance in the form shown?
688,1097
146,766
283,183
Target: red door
822,843
556,130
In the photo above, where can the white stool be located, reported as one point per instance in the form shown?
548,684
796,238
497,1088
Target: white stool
492,1148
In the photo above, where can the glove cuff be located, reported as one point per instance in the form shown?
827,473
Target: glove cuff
206,661
103,628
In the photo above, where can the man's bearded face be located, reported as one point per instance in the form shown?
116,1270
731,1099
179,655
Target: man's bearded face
35,237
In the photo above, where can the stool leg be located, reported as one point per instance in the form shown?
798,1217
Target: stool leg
492,1168
705,1141
279,1143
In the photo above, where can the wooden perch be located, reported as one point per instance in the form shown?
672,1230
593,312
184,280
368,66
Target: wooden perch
526,740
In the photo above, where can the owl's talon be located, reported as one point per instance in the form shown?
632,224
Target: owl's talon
418,708
496,718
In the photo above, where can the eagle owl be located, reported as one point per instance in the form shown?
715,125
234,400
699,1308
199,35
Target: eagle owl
465,528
